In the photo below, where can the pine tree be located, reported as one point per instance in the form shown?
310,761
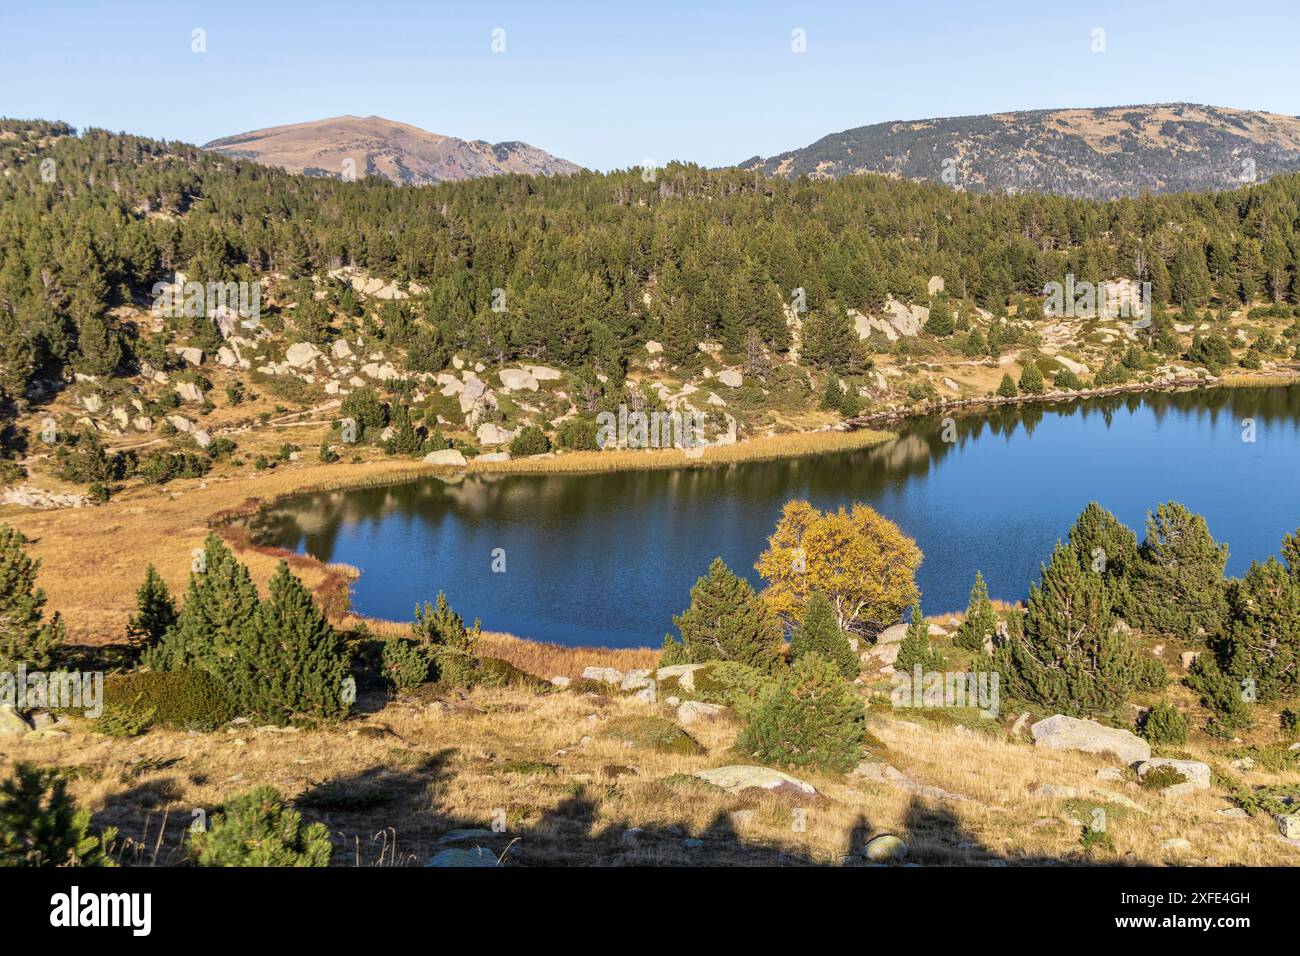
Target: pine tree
810,717
25,636
1007,387
40,825
819,633
940,322
671,653
257,829
220,601
727,621
832,396
981,621
288,660
1177,586
1031,379
1107,546
155,611
1068,655
453,646
1263,641
915,648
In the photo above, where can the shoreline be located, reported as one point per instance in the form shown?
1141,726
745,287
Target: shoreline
93,558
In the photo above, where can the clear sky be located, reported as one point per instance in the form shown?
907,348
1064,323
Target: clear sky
610,84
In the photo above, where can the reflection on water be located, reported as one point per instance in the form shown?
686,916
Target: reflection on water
609,558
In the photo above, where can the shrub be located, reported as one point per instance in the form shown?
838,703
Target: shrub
185,700
405,663
327,455
1289,721
652,733
1149,674
819,633
40,825
1007,387
453,647
1162,777
980,622
671,652
577,434
810,717
25,636
1031,380
727,621
916,649
256,829
1165,724
1218,693
160,467
155,611
731,684
1067,380
530,440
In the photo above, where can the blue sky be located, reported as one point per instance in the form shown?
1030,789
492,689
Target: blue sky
612,84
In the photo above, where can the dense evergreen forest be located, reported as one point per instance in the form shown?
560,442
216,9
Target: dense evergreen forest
592,265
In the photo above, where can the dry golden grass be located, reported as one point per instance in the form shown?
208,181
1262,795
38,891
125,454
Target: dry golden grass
793,445
390,783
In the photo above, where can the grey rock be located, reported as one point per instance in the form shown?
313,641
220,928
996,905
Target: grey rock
1060,732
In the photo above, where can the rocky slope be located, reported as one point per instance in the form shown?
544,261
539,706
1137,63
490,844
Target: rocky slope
372,145
1091,153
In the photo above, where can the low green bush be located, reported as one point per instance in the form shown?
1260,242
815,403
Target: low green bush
184,700
256,829
405,663
1165,724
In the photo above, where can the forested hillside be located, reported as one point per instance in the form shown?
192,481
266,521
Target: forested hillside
583,271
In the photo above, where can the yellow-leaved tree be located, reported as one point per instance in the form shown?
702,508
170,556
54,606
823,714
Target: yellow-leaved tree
862,561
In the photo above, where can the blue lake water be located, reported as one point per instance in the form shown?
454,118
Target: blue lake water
608,559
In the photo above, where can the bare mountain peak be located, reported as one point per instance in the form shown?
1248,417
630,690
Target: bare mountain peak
1097,152
375,145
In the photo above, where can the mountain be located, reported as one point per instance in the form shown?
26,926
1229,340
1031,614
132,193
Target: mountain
1090,153
377,146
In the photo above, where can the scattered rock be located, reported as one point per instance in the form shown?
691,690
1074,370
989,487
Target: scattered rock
12,723
631,835
739,777
1188,658
884,773
606,675
1054,791
559,680
1110,773
1194,772
448,456
893,634
1233,813
730,378
635,679
1060,732
301,354
516,379
1289,826
685,674
1177,843
693,710
885,848
492,434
